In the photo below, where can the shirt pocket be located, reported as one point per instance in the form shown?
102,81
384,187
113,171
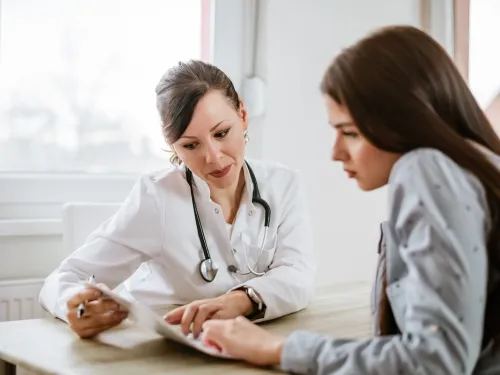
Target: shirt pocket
397,299
260,261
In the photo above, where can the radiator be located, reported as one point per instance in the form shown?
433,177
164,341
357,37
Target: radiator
19,299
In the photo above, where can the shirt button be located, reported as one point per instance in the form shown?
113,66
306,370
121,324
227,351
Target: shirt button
250,213
216,210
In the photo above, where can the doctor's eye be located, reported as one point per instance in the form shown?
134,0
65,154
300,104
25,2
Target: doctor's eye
222,133
190,146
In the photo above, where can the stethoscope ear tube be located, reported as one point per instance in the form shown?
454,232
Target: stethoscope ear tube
201,235
257,199
267,210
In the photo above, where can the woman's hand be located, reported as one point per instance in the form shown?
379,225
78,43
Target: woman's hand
194,314
244,340
100,314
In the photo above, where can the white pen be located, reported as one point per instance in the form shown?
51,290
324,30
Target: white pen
81,307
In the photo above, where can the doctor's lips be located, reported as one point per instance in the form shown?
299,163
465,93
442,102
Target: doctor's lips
221,172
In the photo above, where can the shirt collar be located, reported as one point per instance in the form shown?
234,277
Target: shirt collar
204,189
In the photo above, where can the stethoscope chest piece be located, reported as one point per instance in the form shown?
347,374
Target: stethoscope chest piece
208,269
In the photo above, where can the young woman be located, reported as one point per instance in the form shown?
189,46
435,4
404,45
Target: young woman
217,234
403,116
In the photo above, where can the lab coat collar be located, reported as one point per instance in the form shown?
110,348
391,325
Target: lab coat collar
204,190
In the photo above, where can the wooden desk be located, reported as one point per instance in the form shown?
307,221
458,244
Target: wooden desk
47,346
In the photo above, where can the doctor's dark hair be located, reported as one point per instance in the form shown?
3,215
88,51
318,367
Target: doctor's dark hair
181,88
404,92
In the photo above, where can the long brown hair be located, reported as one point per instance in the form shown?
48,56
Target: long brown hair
404,92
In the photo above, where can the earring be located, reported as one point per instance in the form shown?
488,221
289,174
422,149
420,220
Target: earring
245,136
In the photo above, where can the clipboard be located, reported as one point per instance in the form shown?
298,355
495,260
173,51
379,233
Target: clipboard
143,317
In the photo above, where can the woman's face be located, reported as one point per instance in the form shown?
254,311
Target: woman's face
369,165
213,144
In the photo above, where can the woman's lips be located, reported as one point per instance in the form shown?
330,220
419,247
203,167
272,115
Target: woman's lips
350,174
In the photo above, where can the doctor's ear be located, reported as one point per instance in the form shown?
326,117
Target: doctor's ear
174,158
243,113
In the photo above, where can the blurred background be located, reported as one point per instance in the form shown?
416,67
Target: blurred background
78,121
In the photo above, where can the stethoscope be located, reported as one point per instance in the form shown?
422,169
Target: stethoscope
208,268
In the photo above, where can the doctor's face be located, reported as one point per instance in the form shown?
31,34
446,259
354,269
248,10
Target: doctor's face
213,145
361,160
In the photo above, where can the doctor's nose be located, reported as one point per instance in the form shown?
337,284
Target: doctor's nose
213,153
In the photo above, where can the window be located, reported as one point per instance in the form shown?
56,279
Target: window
78,81
476,54
78,120
484,56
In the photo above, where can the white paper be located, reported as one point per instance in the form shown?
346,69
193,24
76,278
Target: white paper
143,317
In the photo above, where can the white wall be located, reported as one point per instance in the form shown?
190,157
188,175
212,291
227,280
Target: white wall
302,38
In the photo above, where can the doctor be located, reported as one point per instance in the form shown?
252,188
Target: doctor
219,235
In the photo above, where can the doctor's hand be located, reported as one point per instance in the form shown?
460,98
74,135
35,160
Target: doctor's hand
100,314
192,316
244,340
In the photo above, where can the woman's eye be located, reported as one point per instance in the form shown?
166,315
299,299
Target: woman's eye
221,134
189,146
350,134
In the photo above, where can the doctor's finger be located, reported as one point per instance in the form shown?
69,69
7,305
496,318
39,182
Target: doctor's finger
188,317
101,306
204,313
87,294
96,321
91,331
175,316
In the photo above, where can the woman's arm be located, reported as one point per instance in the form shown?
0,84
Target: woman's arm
438,218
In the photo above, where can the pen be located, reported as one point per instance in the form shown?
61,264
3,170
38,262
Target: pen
81,307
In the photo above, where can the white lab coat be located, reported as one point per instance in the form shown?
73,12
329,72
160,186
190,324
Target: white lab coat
152,243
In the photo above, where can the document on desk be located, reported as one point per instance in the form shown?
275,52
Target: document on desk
143,317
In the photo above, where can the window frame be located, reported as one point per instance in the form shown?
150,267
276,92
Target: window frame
462,54
461,10
28,199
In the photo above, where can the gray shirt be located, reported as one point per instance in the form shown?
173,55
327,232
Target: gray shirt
436,259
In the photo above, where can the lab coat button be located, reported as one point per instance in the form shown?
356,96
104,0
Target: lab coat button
250,213
216,210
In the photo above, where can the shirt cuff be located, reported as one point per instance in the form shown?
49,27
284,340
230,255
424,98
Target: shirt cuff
300,351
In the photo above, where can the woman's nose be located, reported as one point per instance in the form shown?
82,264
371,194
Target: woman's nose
338,152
